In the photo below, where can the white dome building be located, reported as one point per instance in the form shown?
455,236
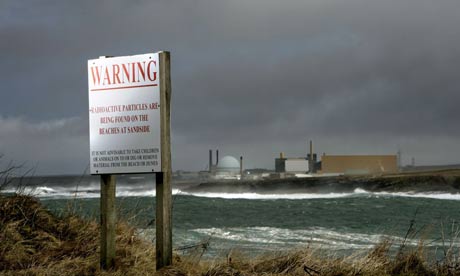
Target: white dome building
228,168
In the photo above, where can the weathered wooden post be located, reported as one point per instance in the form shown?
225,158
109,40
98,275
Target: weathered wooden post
108,218
163,179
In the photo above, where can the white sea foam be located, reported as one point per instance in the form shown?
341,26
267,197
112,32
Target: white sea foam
83,192
318,236
45,190
433,195
356,193
268,196
92,191
325,238
148,193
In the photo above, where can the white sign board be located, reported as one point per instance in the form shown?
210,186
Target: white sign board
124,114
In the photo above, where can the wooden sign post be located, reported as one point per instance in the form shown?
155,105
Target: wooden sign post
163,179
129,118
108,218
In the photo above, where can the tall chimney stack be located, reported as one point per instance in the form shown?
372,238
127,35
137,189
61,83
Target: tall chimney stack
217,157
310,160
241,167
210,160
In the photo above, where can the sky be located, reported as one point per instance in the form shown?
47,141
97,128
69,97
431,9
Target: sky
251,78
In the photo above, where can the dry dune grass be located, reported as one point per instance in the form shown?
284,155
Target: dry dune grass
33,241
380,260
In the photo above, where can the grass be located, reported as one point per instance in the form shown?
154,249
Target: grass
33,241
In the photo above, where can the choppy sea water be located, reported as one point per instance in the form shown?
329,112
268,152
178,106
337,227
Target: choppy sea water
258,223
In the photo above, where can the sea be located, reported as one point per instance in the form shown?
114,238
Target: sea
254,224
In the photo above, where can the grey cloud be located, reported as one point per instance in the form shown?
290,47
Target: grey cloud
60,145
253,76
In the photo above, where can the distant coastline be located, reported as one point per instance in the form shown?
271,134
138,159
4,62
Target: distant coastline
440,181
447,181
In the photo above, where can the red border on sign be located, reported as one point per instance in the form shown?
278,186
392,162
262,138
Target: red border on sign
124,87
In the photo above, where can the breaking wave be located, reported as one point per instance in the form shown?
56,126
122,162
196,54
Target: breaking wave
294,196
267,196
82,192
433,195
93,191
288,238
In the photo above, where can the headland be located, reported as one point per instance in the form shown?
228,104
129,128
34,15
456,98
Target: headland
446,181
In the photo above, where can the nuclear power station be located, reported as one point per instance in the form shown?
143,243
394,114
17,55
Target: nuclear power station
309,165
226,168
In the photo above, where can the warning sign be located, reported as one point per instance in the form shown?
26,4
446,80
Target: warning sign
124,114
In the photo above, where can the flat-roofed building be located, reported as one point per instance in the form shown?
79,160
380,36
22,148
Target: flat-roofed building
359,164
291,165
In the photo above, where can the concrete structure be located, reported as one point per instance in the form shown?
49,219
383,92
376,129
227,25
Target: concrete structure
311,165
210,161
296,165
228,168
280,163
212,167
292,165
359,164
241,167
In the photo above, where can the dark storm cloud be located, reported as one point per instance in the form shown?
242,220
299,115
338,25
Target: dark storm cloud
252,77
55,146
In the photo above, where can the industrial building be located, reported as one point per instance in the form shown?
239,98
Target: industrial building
292,165
228,167
337,164
359,164
299,165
